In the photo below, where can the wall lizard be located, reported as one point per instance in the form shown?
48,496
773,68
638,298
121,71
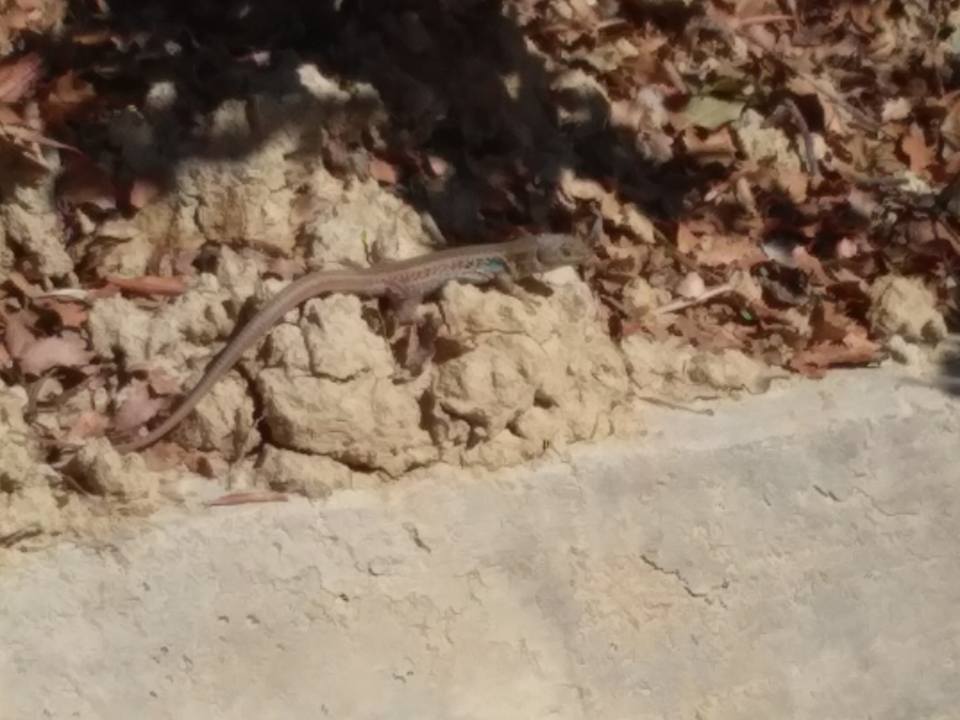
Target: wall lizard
405,281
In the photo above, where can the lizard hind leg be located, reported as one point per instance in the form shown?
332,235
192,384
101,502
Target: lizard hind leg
413,333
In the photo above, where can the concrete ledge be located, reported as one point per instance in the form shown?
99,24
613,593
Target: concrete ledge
795,556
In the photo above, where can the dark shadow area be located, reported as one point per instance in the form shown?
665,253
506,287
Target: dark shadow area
949,370
459,83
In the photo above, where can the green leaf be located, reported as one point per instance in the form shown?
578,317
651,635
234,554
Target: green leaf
711,112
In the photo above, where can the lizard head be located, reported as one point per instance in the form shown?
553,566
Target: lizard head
557,250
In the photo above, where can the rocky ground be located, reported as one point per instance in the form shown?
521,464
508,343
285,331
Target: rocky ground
770,190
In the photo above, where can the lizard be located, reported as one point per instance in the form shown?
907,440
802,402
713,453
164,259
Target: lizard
404,281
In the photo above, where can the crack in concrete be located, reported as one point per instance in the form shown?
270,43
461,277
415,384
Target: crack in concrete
414,534
829,494
676,574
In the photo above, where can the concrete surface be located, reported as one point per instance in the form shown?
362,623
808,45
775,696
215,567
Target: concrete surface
795,556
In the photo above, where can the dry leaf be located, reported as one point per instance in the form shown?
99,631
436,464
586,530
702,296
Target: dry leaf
48,353
795,183
247,497
829,324
71,314
914,146
809,264
18,77
437,166
85,183
896,109
22,133
686,241
88,424
716,146
137,408
384,172
69,95
856,349
24,286
740,252
692,286
142,193
846,248
9,116
711,112
17,336
162,383
149,285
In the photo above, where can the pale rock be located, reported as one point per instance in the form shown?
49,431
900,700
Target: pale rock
367,422
904,306
314,476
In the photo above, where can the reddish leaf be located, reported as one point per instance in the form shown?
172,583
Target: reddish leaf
18,77
247,497
162,383
9,116
71,314
814,361
383,172
22,133
149,285
914,146
142,193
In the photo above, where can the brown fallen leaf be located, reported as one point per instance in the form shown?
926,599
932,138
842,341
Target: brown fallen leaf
846,248
68,96
142,192
810,264
17,335
71,314
437,166
716,146
245,498
9,116
795,183
22,133
83,182
814,361
163,383
96,36
741,252
88,424
149,284
829,325
24,286
18,77
137,408
384,172
48,353
914,145
686,241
